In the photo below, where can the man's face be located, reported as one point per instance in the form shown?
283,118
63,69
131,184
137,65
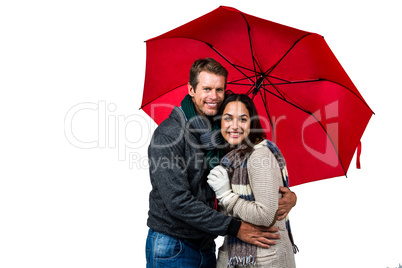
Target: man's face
209,94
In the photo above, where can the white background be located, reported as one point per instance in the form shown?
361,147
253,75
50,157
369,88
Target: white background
65,206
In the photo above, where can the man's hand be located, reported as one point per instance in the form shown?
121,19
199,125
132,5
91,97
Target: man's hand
286,203
258,235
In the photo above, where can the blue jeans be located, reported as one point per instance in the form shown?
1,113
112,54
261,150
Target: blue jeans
166,251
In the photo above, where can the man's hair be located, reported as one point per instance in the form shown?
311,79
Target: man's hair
208,65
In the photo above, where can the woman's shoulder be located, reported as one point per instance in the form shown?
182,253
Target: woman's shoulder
262,159
267,144
264,149
264,145
260,150
260,144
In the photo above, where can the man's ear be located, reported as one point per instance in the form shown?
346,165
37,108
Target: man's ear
191,90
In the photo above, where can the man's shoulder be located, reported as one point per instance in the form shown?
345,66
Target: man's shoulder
171,137
171,130
173,123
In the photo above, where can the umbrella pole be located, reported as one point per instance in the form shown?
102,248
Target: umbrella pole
268,114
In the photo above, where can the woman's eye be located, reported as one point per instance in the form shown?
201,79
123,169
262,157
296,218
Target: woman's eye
227,119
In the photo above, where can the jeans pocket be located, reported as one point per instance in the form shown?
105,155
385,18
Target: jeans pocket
167,247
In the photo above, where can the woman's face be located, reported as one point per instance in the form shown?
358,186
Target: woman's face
235,124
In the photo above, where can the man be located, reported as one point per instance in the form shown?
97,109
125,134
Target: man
183,223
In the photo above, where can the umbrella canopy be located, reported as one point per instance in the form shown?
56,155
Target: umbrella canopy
307,103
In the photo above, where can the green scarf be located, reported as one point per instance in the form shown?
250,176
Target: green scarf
209,133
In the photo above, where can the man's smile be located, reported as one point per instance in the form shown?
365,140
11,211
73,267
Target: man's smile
212,104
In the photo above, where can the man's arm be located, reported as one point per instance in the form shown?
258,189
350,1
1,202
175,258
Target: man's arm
263,236
168,172
286,203
258,235
259,213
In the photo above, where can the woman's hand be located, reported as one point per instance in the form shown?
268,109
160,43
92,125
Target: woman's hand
218,180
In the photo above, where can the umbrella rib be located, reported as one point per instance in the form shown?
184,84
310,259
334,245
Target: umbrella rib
362,100
287,82
251,48
280,97
320,80
298,82
273,85
220,54
238,84
310,113
271,76
333,145
240,79
250,91
245,68
284,55
242,84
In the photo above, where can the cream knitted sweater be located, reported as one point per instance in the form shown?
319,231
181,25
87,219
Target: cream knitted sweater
265,178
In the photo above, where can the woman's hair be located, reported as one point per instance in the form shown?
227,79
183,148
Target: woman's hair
208,65
257,133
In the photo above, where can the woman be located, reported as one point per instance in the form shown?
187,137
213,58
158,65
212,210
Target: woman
256,170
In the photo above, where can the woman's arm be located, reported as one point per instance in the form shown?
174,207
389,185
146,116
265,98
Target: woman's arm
265,177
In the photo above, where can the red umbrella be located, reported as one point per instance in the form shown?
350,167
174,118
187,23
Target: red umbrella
307,103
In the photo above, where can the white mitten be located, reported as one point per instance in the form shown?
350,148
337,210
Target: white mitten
218,179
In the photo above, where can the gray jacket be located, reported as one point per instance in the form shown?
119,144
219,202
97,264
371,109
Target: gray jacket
181,202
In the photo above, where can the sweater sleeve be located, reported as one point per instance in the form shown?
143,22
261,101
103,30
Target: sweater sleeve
265,177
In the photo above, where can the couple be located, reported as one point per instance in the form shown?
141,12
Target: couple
183,216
